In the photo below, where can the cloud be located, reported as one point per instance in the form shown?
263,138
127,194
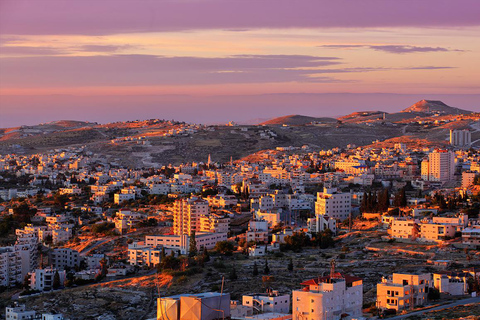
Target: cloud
397,49
138,70
128,16
406,49
148,70
428,68
28,50
103,48
343,46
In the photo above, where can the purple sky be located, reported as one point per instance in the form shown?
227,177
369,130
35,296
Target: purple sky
221,60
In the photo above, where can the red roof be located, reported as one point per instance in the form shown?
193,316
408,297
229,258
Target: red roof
316,281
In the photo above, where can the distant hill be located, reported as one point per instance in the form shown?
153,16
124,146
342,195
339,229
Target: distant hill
362,116
434,106
297,120
68,124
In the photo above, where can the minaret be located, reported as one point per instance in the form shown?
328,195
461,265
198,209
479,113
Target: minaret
231,161
209,160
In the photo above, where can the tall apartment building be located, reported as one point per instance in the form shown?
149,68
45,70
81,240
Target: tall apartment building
402,291
460,138
42,279
334,204
10,266
440,166
328,298
62,258
186,213
468,177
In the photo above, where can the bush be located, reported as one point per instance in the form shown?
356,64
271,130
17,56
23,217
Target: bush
217,264
225,247
182,279
102,227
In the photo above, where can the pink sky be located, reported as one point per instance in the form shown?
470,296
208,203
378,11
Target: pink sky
119,60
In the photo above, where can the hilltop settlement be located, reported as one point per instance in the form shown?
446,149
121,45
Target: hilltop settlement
368,216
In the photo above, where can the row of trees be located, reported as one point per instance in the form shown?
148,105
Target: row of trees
299,240
379,201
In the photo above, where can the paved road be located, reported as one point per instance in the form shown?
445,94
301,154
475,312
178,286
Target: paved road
445,306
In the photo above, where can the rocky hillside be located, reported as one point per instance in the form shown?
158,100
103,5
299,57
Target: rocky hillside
296,120
433,106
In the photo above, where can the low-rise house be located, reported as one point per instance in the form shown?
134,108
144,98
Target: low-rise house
404,228
454,283
140,254
471,236
271,301
328,298
402,291
181,243
257,231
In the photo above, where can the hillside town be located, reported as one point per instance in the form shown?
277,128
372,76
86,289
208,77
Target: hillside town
70,219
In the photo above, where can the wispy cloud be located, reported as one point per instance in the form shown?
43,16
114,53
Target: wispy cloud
103,48
137,70
397,49
29,50
407,49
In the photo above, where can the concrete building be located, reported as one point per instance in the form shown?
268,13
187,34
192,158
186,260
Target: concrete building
15,263
93,260
201,306
404,228
436,232
186,213
42,279
402,291
321,223
328,298
214,223
271,301
18,312
140,254
471,236
468,177
440,166
454,283
62,258
461,138
257,231
334,204
181,243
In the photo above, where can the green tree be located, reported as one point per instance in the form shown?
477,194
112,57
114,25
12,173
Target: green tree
205,255
224,247
266,269
296,241
233,274
56,280
26,282
400,198
433,294
255,268
192,249
290,265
